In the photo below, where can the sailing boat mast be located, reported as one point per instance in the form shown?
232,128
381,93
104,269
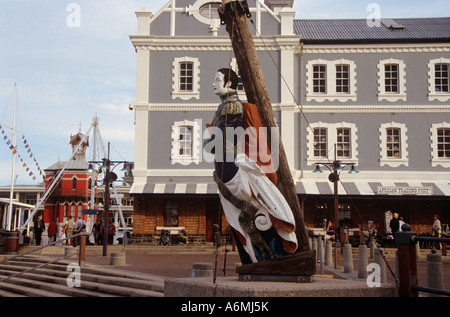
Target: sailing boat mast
11,193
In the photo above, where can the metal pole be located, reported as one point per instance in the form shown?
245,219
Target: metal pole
11,192
337,243
94,153
106,202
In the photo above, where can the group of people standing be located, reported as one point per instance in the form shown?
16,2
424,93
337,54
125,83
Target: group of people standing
98,230
397,222
70,228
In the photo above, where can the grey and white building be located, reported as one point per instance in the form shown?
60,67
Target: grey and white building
370,93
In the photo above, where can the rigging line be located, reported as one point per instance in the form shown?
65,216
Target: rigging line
312,130
123,159
299,107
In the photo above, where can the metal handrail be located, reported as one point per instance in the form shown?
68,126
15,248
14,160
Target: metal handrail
43,247
406,240
40,248
38,267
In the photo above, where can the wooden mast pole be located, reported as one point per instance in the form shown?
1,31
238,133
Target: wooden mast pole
234,15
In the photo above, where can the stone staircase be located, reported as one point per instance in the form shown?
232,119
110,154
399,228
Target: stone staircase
95,281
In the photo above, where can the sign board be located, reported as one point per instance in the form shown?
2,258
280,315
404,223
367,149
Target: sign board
405,190
118,196
89,211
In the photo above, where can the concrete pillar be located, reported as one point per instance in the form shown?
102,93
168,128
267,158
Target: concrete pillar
378,259
329,253
435,276
417,250
363,261
372,247
320,250
69,250
348,258
118,259
202,270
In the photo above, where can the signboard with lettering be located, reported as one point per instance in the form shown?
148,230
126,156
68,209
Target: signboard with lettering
405,190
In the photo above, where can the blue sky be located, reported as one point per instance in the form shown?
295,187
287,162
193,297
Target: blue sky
67,75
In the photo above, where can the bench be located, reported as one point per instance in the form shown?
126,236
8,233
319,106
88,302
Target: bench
172,230
176,236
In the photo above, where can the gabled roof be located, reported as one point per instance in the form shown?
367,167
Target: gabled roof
359,30
77,163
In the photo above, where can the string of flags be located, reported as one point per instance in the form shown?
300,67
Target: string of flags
29,154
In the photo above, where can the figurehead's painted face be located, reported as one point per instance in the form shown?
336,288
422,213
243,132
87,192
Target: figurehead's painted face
219,85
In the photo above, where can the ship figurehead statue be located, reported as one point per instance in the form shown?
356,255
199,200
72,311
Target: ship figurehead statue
260,218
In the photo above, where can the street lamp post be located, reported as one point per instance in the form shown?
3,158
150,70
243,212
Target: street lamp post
108,179
335,168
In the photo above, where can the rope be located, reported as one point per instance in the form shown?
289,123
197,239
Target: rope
312,130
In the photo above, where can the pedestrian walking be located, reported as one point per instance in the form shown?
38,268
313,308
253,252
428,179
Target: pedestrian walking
436,232
68,229
39,228
52,231
394,224
111,232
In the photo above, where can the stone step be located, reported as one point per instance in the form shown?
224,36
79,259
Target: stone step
51,281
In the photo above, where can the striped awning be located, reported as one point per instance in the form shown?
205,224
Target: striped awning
176,188
312,187
380,188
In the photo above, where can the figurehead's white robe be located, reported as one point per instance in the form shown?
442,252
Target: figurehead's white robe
251,184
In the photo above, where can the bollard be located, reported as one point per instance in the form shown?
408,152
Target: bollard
348,258
372,247
329,253
320,253
435,276
363,261
82,251
378,259
406,262
118,259
68,251
417,250
202,270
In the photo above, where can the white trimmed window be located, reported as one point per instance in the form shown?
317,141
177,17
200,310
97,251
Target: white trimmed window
205,11
185,142
391,80
393,144
185,78
438,79
331,80
440,144
323,137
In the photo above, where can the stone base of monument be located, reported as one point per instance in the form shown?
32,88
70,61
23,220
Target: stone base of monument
232,287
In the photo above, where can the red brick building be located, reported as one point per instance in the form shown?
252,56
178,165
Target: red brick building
72,194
